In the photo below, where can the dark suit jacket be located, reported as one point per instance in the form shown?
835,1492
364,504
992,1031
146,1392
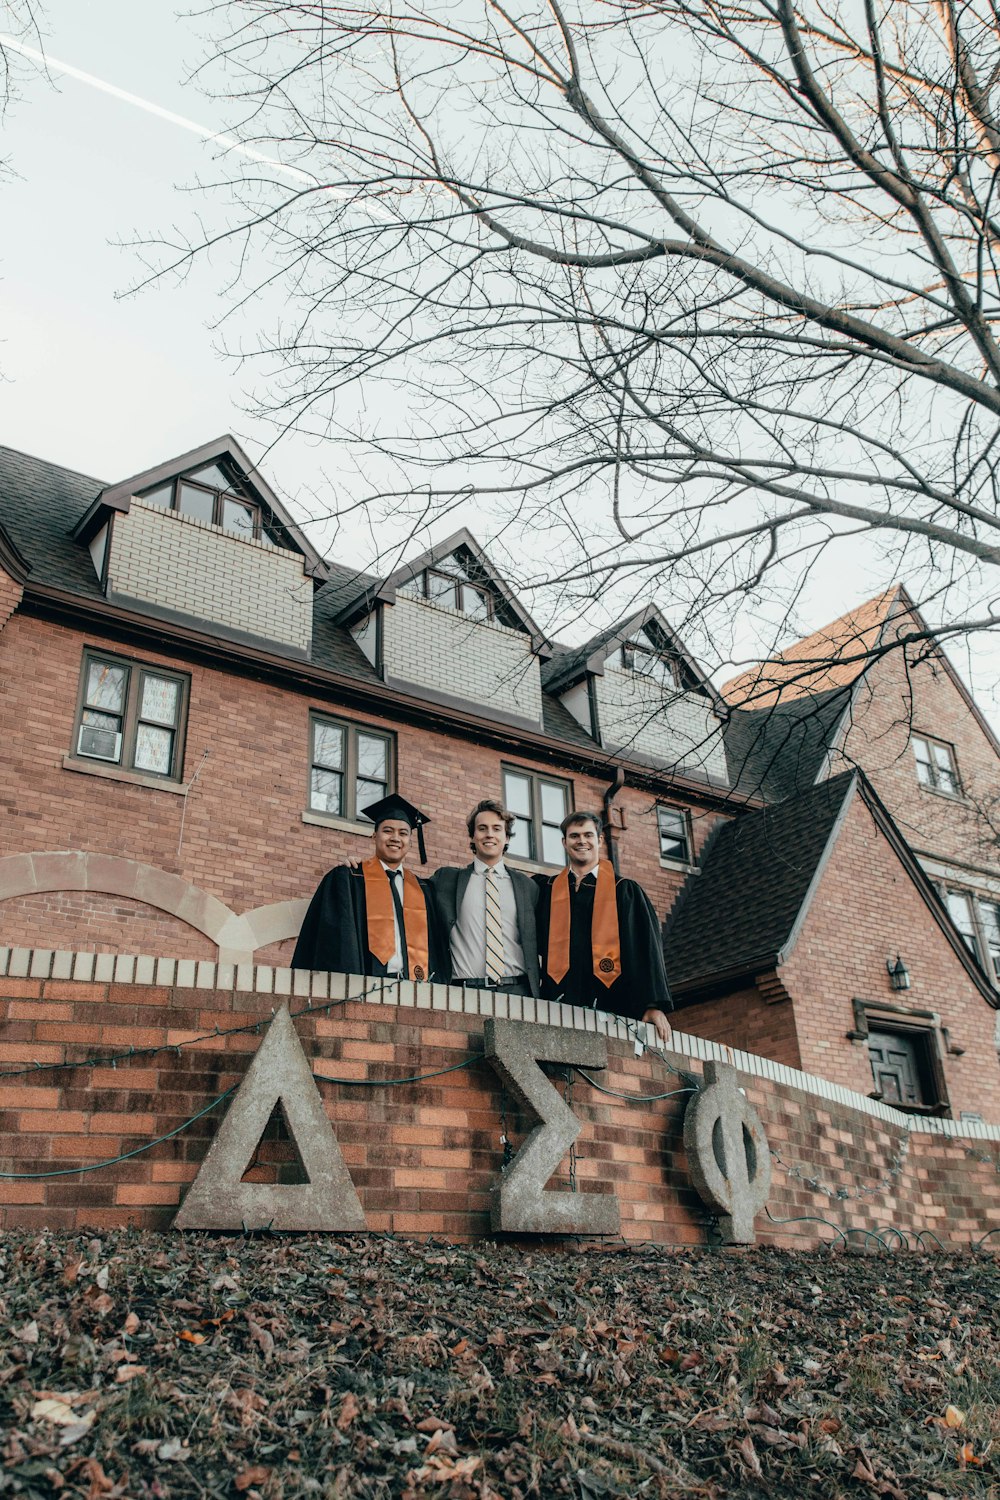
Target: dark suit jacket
449,885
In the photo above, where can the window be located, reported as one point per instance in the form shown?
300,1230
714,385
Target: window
936,765
350,767
978,920
131,715
539,806
675,835
448,583
641,656
211,494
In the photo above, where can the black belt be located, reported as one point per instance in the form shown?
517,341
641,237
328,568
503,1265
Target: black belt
493,984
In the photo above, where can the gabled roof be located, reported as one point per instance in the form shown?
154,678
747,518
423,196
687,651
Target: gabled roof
42,506
373,591
11,559
832,657
802,688
738,914
572,664
118,496
741,914
775,752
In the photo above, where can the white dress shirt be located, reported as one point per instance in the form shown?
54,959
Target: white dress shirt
468,936
395,964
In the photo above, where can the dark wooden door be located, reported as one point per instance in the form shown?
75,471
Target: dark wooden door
895,1060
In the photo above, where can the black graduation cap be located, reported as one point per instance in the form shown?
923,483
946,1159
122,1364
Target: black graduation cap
395,806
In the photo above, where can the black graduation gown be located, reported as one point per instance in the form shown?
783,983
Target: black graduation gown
642,984
334,933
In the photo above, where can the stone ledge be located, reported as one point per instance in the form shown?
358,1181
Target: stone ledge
264,979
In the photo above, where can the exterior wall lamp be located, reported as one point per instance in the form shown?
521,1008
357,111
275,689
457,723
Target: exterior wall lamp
899,974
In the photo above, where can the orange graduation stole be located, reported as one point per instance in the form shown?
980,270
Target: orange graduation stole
381,928
605,943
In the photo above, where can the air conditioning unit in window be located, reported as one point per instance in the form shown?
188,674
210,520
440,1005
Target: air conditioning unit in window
99,744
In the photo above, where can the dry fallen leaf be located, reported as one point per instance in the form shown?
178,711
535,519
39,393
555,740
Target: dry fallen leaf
748,1453
173,1450
433,1424
954,1416
52,1409
257,1474
349,1409
125,1373
187,1337
131,1324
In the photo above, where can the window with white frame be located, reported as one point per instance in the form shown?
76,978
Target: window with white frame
131,714
936,767
978,920
539,804
640,655
674,828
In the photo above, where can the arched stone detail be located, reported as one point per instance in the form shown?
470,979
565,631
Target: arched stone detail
268,924
237,936
113,875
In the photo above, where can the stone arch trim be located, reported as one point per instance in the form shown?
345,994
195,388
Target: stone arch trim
113,875
237,936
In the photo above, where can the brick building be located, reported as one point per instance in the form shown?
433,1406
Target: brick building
194,706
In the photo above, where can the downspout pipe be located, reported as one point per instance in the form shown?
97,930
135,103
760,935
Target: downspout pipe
609,796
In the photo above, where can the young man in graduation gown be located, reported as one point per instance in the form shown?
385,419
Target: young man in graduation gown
376,919
488,911
600,939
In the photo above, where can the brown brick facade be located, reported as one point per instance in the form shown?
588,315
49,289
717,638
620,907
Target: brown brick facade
749,1019
907,692
424,1157
865,911
241,838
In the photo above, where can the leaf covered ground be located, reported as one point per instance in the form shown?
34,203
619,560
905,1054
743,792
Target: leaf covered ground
164,1367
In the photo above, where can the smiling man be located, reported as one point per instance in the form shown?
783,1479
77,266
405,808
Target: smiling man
375,918
600,938
488,911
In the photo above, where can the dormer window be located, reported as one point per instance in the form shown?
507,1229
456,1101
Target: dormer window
448,584
210,494
641,656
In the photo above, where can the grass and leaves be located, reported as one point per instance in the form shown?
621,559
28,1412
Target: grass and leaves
161,1367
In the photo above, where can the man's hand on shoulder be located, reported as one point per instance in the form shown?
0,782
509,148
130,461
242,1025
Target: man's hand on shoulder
657,1019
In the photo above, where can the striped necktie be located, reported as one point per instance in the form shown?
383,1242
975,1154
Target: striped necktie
494,929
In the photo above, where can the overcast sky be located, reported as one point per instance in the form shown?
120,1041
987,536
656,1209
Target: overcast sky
111,384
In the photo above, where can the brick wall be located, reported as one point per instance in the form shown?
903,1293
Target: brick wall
899,698
637,714
244,842
865,910
188,565
90,921
746,1019
11,593
424,1157
448,652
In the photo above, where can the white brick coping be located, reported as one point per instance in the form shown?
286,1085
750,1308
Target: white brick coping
265,979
